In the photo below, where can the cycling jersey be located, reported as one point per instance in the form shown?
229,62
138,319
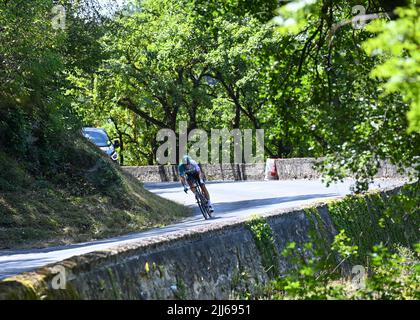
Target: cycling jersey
193,168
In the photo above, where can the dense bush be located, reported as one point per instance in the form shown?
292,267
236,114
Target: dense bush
389,275
375,255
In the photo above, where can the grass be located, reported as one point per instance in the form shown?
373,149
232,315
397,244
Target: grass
88,198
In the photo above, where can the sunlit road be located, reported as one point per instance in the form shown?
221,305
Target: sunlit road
231,200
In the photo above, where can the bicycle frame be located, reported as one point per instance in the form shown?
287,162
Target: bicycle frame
201,200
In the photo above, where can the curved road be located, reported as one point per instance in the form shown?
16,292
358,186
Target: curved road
231,200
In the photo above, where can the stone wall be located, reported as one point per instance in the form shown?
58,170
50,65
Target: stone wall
287,169
303,168
226,172
297,168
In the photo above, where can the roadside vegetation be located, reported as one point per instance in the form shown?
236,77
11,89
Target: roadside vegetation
393,274
88,198
55,187
374,255
320,86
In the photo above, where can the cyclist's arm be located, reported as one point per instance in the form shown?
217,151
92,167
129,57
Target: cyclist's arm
181,170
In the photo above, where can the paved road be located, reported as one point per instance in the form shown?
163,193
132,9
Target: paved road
231,200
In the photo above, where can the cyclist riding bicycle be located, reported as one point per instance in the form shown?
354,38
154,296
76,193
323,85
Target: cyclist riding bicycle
189,170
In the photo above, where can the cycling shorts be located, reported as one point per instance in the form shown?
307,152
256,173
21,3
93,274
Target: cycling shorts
194,176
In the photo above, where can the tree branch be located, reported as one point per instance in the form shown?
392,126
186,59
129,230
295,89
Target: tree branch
126,102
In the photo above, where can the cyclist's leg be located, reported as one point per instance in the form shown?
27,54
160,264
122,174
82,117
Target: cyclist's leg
207,195
205,191
191,184
202,186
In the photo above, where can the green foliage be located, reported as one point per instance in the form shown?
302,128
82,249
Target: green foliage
103,175
264,240
55,187
375,218
29,78
342,247
12,176
169,63
89,199
355,118
181,289
394,276
37,120
216,64
378,233
390,276
223,64
397,43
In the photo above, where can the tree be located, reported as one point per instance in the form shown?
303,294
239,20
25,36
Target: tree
359,124
168,63
397,42
36,55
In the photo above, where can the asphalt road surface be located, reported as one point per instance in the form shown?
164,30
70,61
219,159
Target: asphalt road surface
231,200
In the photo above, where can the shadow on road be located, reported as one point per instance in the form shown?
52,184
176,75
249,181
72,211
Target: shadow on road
228,207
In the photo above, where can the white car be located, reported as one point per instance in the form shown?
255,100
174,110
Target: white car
99,137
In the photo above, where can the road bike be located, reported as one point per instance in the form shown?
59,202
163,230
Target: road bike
201,199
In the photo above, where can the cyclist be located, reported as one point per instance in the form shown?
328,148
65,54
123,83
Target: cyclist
190,170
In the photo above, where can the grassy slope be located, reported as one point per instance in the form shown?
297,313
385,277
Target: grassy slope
87,198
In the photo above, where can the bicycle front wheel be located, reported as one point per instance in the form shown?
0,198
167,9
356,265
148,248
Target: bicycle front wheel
202,204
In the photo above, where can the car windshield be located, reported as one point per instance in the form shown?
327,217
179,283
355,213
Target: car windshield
98,138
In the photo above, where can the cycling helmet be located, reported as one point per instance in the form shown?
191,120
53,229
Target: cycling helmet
186,159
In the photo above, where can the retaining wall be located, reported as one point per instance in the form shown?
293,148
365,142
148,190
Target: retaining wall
287,169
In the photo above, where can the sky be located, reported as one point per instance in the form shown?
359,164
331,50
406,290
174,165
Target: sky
115,3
